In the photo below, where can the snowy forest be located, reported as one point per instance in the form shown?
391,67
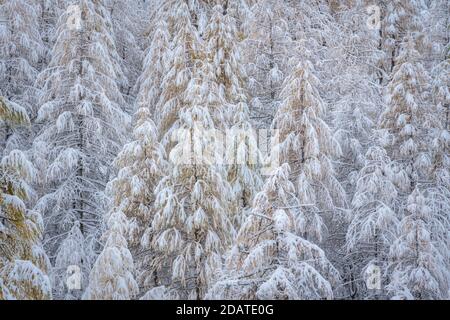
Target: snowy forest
224,149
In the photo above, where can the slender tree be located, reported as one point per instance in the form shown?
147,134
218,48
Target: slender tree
268,260
83,127
24,266
112,276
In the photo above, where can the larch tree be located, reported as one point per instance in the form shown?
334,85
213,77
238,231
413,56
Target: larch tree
111,277
141,165
357,99
82,128
22,53
239,10
185,47
155,67
409,121
373,221
412,132
398,19
268,48
24,266
222,47
441,143
127,32
306,143
268,259
244,160
191,226
228,73
419,268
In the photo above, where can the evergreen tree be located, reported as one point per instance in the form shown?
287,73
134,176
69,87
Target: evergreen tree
156,62
191,224
268,48
185,51
409,119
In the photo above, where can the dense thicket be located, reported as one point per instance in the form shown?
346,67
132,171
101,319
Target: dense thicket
234,149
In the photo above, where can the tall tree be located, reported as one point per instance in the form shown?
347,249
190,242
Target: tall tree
307,145
420,269
268,260
141,165
156,65
268,48
21,57
112,276
185,51
191,225
373,221
125,20
409,119
23,262
83,127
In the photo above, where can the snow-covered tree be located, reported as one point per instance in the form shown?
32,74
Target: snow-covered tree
72,265
268,260
83,127
419,269
306,143
222,46
22,49
244,159
141,166
373,222
356,96
185,51
268,47
191,224
441,143
410,121
111,276
158,55
398,19
21,56
23,262
125,20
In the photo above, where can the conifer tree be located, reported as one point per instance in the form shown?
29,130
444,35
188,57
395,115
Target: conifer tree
141,165
21,56
83,127
268,260
112,277
373,222
191,224
24,266
268,48
420,269
409,119
244,159
223,52
155,67
127,32
307,144
185,50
